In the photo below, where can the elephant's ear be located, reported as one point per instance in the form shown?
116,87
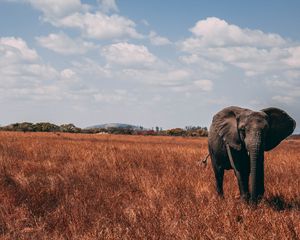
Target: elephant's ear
225,124
281,125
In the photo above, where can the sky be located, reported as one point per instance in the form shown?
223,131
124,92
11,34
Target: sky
168,63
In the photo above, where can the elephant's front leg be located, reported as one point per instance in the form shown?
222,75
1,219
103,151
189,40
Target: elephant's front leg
243,183
242,172
244,175
260,184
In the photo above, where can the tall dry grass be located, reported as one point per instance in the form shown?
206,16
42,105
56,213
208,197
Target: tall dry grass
64,186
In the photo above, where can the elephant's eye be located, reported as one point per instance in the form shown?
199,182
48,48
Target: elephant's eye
242,133
242,130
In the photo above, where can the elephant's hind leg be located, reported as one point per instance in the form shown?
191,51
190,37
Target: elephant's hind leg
219,174
217,164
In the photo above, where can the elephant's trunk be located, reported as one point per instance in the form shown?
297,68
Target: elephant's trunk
256,152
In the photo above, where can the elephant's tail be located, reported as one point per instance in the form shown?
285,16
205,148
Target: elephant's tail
204,161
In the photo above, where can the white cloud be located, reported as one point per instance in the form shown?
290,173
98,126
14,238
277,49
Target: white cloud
205,85
158,77
23,75
62,43
67,73
220,50
216,32
74,14
128,54
158,40
253,51
108,97
20,66
69,78
53,9
294,59
115,96
100,26
295,92
38,93
177,75
198,85
287,90
278,83
293,74
283,99
252,60
43,71
202,62
108,5
14,49
89,69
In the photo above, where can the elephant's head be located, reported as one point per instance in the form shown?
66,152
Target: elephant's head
254,132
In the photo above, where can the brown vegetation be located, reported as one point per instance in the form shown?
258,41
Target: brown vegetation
76,186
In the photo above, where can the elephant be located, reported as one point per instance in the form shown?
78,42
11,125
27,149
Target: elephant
238,138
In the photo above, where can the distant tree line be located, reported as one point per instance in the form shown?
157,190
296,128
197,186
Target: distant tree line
189,131
41,127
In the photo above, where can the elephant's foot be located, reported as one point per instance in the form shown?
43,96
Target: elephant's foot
245,197
255,201
220,194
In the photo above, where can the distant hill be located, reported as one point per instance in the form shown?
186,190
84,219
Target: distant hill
115,125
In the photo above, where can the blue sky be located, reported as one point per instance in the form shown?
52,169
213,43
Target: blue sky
151,63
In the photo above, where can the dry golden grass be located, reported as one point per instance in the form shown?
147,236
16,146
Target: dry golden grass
64,186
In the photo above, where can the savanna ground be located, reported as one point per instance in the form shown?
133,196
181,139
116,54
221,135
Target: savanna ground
76,186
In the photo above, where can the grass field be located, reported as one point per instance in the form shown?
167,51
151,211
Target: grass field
76,186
